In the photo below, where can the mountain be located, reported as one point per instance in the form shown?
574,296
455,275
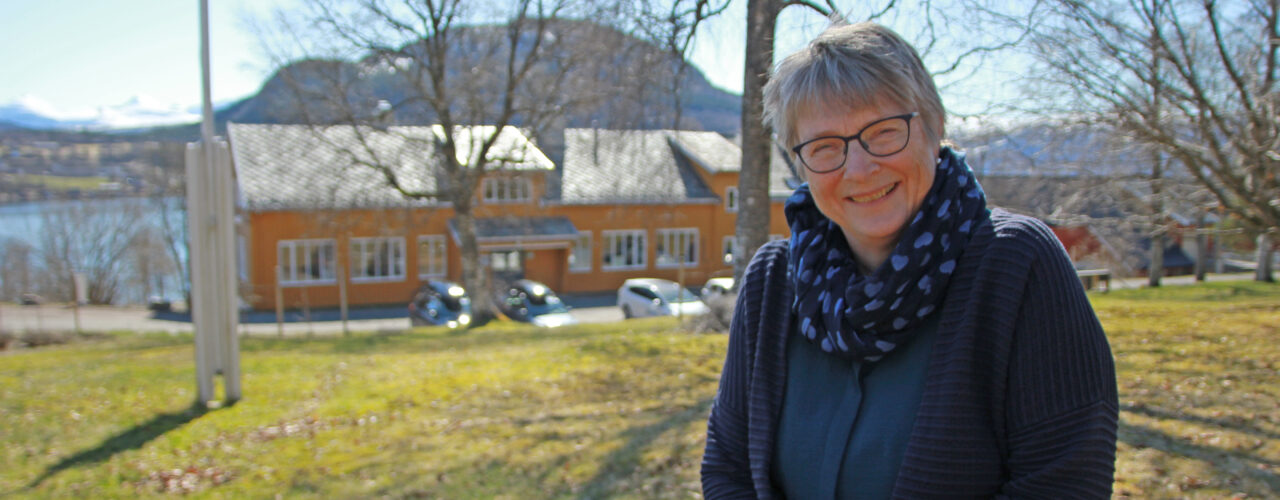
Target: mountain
630,80
622,65
29,112
19,115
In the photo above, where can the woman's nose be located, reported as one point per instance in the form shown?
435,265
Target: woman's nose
858,163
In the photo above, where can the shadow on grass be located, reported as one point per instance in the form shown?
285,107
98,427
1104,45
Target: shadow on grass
629,455
1228,463
131,439
1239,425
430,339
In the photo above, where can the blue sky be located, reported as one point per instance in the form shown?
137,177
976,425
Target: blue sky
78,55
72,57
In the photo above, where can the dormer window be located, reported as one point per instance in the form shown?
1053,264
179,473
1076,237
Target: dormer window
507,190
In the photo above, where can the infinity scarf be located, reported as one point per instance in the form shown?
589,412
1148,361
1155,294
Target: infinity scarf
864,317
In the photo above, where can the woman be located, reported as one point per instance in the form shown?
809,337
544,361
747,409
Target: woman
906,341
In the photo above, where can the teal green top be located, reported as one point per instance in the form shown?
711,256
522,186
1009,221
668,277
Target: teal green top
844,424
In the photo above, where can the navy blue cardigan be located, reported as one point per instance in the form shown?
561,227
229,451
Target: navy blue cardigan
1020,396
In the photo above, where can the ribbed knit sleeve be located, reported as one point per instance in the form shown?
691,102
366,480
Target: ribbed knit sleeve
739,429
1061,407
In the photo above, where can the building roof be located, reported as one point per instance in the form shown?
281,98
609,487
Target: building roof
782,172
634,166
280,167
711,151
626,166
293,167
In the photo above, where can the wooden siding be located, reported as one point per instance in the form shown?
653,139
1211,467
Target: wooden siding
265,230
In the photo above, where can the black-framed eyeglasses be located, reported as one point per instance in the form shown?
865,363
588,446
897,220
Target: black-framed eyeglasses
883,137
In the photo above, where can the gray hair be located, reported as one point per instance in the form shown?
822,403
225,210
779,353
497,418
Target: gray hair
858,66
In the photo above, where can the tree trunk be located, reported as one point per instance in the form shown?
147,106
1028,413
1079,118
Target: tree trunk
1263,271
752,226
1155,270
474,275
1202,248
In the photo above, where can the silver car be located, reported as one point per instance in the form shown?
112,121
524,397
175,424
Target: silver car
641,297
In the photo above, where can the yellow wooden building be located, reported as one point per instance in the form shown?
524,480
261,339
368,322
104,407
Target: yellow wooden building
623,204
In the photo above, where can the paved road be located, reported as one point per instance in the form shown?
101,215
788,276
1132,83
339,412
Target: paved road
592,308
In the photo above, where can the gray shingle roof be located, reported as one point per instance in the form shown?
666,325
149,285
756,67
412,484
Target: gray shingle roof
512,227
782,178
711,150
651,165
281,167
626,166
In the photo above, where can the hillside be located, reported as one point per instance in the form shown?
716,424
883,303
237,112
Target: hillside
623,105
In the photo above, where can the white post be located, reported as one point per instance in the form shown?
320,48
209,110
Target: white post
197,252
211,225
228,279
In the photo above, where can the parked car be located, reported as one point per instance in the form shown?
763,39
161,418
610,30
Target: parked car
716,288
440,303
533,302
640,297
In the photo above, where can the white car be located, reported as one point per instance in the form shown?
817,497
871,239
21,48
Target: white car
640,297
716,288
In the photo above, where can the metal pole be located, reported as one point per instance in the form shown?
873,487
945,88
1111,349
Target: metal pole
206,125
342,297
279,305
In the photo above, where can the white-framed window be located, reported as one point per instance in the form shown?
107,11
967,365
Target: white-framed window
580,253
306,262
623,250
729,248
509,260
677,247
731,199
377,259
432,259
507,189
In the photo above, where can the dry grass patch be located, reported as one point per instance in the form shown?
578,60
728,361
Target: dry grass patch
590,411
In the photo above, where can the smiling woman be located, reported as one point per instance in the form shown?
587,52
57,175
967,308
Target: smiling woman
907,341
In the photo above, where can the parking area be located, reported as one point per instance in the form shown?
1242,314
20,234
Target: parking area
587,308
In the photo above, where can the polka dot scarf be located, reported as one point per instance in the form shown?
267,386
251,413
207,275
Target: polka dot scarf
864,317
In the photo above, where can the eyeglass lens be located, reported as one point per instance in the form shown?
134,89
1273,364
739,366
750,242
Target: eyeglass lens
880,138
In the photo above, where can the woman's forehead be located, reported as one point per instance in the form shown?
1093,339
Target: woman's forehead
868,110
847,102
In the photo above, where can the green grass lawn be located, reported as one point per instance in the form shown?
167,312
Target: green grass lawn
589,411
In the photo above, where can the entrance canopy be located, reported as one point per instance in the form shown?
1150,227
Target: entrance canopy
520,233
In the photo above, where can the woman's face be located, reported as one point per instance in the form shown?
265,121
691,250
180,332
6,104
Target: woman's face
870,198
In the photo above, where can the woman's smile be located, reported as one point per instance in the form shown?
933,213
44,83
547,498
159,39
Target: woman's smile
874,195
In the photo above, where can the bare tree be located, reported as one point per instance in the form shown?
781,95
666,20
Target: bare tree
168,201
17,269
93,240
447,63
149,262
1195,80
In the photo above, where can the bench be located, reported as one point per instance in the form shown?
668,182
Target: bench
1089,277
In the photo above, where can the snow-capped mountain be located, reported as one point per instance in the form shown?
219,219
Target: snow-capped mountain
31,111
